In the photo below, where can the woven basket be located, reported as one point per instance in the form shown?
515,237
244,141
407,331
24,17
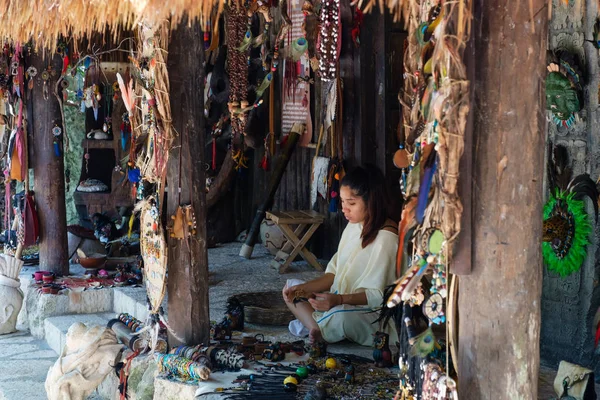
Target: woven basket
264,308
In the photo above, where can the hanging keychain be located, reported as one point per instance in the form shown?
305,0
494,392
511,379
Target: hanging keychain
56,132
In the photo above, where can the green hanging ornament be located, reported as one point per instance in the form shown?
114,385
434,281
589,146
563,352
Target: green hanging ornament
566,228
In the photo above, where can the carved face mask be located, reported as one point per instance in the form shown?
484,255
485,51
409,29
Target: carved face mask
561,98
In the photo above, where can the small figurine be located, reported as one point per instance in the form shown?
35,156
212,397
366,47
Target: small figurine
349,377
235,314
274,353
222,331
318,349
382,353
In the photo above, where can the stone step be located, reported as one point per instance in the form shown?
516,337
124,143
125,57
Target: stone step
55,328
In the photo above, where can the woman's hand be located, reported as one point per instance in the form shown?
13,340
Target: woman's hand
289,292
325,301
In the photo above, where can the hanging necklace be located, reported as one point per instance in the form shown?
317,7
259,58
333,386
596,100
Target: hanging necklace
328,39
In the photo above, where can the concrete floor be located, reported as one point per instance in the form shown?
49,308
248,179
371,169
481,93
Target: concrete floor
24,360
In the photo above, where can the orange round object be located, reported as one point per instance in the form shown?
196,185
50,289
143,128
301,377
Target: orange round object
401,159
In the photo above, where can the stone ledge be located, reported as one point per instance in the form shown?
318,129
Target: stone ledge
41,306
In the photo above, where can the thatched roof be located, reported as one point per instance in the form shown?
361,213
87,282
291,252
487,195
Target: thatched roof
45,21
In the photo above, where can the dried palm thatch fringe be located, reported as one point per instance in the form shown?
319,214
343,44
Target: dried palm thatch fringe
45,21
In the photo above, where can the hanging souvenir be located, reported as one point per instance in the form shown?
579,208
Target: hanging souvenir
183,223
433,308
125,130
154,252
437,385
329,42
295,101
56,133
564,89
31,221
236,22
30,74
566,230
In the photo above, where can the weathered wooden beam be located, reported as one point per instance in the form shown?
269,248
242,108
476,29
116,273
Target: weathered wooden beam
49,173
499,303
188,262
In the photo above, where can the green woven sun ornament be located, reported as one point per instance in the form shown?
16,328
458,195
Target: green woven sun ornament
565,233
567,228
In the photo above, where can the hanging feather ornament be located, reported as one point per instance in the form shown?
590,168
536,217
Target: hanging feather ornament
407,223
395,298
127,93
298,49
246,42
566,228
424,344
264,85
430,167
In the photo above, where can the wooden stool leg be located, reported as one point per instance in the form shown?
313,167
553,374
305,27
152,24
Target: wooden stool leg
287,248
298,243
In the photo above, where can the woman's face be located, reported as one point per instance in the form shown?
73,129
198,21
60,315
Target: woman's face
353,206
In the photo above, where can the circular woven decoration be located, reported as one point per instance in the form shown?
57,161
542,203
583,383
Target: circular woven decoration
433,306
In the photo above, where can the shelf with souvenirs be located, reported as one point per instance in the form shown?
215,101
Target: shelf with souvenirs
102,187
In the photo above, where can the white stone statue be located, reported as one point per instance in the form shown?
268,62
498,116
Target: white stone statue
11,296
88,357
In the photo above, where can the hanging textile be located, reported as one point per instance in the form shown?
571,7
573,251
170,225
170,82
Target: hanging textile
296,92
30,218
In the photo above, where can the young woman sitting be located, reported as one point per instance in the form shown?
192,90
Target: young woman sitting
340,302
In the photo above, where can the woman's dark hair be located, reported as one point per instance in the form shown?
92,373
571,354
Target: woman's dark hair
368,182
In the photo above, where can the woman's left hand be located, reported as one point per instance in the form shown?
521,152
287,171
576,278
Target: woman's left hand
325,301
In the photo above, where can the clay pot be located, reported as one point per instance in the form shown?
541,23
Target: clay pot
48,277
47,289
39,275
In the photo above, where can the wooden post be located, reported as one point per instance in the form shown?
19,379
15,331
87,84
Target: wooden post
499,303
49,172
188,264
280,166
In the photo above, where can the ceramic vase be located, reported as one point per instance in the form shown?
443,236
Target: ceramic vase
11,296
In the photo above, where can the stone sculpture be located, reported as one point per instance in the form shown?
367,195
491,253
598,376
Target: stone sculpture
88,357
11,296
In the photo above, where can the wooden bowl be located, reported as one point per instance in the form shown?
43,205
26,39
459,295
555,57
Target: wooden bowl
265,308
92,262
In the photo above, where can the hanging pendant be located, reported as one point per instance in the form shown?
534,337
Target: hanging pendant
56,131
56,148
